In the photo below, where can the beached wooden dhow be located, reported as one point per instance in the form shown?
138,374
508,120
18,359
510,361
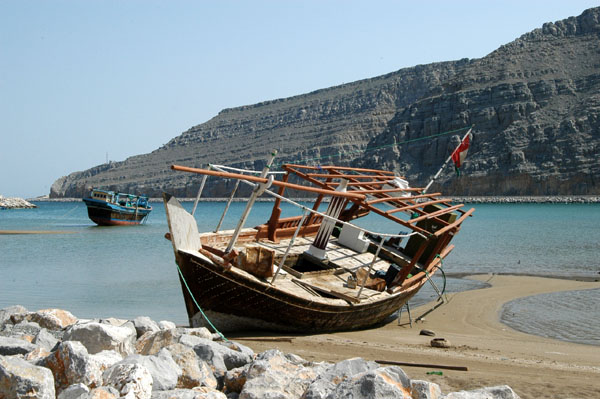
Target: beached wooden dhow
318,270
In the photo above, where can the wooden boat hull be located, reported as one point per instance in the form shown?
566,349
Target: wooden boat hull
233,302
106,214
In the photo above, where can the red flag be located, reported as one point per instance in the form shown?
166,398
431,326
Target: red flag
459,155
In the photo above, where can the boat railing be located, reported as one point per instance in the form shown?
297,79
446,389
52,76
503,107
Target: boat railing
306,212
321,214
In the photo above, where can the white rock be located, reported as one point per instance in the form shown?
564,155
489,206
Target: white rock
45,340
15,346
144,324
6,313
195,372
201,332
71,364
75,391
272,375
327,380
97,337
152,342
385,382
196,393
221,357
129,379
165,372
166,325
19,378
52,319
498,392
425,390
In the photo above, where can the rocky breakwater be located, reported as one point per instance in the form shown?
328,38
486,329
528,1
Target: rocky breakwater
13,203
52,354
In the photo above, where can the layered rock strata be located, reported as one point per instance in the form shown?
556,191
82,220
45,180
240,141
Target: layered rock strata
534,104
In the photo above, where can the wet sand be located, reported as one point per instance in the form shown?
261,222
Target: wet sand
494,353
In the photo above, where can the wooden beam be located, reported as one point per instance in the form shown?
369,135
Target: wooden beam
412,197
437,213
425,365
345,176
455,224
227,175
415,206
326,167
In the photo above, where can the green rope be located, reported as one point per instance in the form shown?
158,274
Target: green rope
198,306
306,160
441,267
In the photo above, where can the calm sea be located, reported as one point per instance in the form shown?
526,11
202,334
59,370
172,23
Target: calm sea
129,271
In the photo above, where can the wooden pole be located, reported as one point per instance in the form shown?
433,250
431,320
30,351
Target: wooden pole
447,160
278,183
426,365
255,193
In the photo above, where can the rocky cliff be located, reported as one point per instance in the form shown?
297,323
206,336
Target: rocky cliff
534,104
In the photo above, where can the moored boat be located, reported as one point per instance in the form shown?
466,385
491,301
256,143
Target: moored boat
109,208
316,271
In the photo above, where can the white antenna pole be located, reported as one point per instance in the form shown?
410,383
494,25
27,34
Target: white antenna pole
447,160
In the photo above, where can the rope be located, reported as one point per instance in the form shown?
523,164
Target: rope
306,160
198,306
441,267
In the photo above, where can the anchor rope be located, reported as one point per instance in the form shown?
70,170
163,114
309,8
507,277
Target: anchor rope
441,267
197,305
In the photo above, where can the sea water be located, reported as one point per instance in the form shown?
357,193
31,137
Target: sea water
129,271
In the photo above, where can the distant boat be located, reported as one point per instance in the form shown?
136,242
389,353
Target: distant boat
109,208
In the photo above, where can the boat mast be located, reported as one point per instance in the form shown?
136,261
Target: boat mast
447,160
258,190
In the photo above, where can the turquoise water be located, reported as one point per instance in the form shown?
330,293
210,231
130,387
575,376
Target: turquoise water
128,271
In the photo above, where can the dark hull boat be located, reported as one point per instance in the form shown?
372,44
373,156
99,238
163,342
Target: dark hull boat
108,208
317,271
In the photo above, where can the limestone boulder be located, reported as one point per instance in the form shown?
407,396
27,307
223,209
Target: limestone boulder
52,319
497,392
152,342
19,379
194,372
163,369
105,393
24,329
425,390
196,393
271,375
75,391
45,340
6,313
221,357
201,332
71,364
131,380
166,325
144,324
327,380
36,355
97,337
384,382
14,346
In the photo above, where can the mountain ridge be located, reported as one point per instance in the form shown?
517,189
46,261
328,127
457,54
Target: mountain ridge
534,103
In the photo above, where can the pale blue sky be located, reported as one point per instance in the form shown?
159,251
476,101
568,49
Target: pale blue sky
80,79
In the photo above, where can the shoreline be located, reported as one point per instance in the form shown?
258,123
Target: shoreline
543,199
494,353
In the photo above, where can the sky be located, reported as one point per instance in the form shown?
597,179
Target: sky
86,81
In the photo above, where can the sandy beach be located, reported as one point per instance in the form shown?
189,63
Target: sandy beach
494,353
